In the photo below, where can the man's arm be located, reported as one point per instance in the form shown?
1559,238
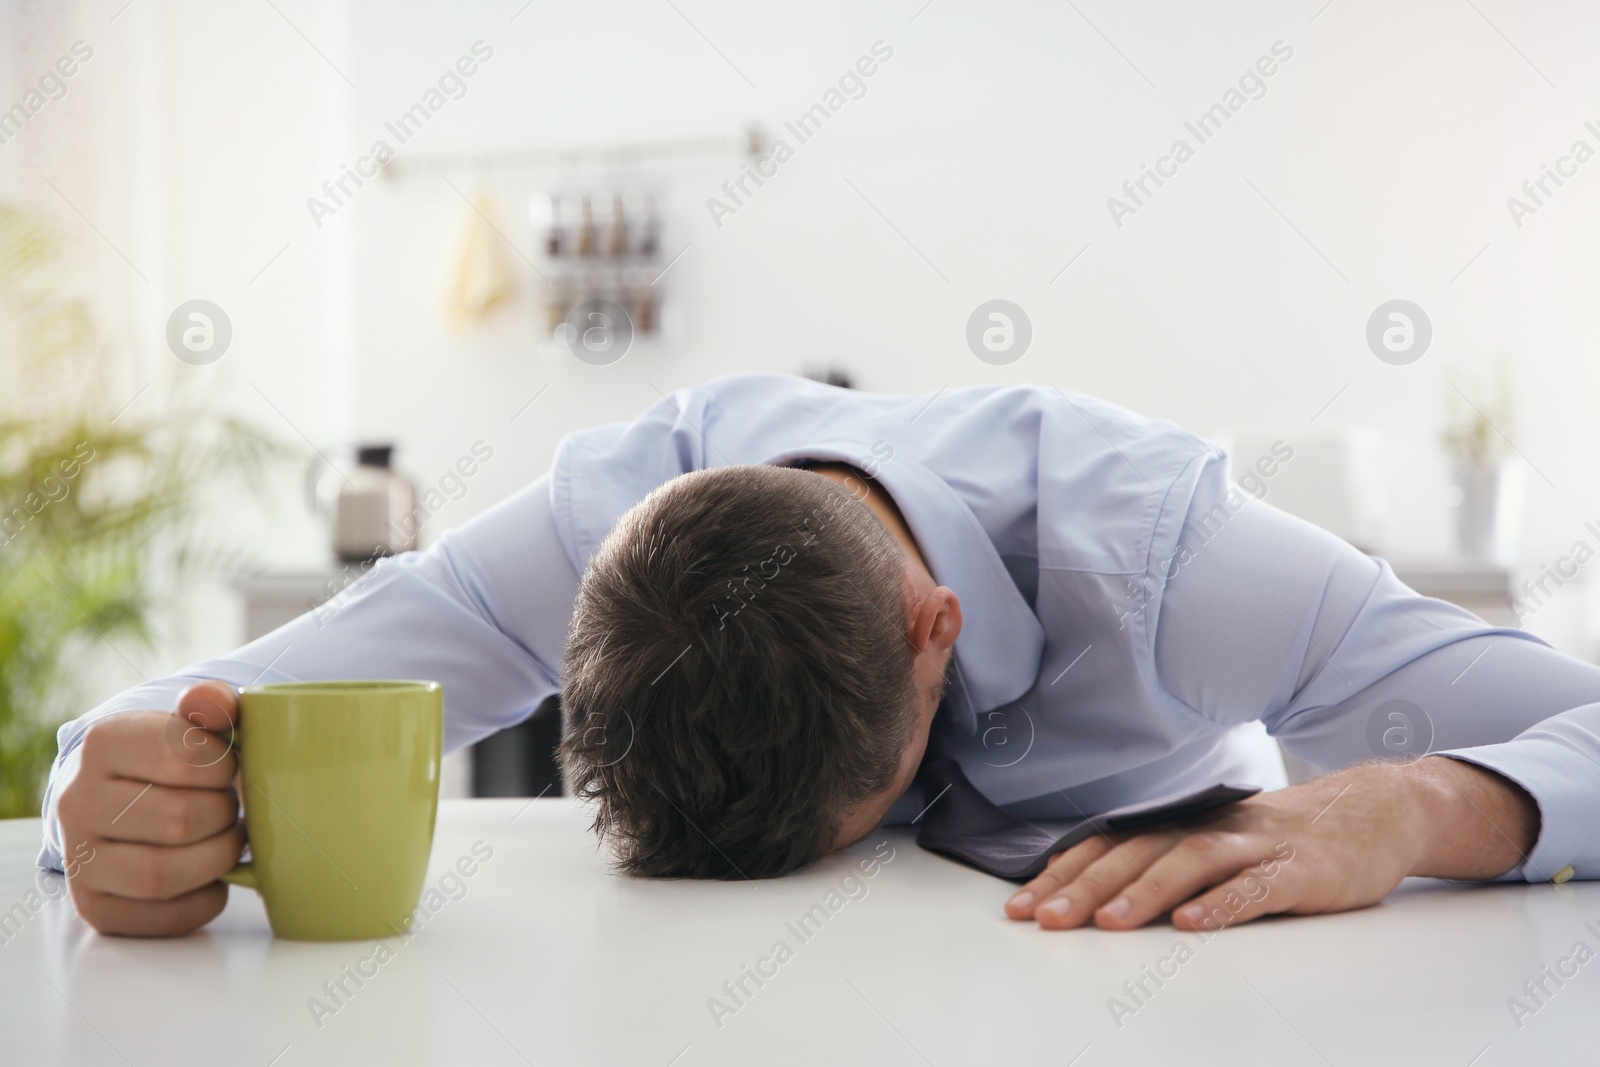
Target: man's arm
1482,825
1342,841
484,612
1270,617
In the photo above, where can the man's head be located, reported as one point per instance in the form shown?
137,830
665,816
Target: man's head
752,666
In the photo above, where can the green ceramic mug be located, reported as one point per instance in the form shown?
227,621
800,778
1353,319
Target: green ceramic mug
341,786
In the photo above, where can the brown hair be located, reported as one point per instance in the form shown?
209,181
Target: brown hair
737,673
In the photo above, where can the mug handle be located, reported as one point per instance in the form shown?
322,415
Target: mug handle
244,874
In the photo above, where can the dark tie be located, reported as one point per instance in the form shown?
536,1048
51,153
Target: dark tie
965,825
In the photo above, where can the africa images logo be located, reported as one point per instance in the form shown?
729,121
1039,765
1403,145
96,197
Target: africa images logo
851,85
199,332
1251,85
451,85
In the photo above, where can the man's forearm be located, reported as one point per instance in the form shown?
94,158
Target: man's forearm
1479,824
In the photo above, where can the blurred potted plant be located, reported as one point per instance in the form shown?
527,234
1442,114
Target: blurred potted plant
97,502
1486,484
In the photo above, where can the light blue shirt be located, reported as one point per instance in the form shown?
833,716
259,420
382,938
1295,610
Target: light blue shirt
1133,619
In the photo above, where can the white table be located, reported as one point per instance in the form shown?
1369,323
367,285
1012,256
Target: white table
549,959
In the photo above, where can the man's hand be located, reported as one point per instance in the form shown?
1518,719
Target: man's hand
150,821
1339,842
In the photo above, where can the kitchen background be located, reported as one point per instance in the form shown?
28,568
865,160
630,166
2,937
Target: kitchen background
204,151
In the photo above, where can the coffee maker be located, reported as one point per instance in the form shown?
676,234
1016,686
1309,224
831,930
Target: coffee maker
371,508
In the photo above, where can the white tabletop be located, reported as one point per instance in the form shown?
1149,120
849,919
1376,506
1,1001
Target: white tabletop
547,958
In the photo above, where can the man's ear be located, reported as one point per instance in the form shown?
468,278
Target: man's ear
935,621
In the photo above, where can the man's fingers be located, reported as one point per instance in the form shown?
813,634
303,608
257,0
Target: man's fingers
160,872
150,918
210,705
1198,861
1123,862
1249,895
160,814
201,731
1063,868
154,812
160,747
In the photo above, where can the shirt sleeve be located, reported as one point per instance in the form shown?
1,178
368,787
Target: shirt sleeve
484,612
1263,615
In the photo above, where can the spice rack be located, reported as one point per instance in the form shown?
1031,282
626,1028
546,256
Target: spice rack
599,245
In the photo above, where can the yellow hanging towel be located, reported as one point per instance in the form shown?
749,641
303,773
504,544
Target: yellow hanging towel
478,278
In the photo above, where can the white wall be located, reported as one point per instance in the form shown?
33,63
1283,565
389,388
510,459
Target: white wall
1387,146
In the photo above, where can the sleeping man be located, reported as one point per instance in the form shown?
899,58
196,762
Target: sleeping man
765,600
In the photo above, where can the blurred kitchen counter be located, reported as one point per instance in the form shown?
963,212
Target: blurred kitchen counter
1482,588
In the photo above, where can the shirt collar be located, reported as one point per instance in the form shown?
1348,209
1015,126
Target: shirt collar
997,655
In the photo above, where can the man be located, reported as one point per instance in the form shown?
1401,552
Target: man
787,589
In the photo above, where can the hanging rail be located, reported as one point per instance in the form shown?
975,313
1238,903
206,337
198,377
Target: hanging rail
748,141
